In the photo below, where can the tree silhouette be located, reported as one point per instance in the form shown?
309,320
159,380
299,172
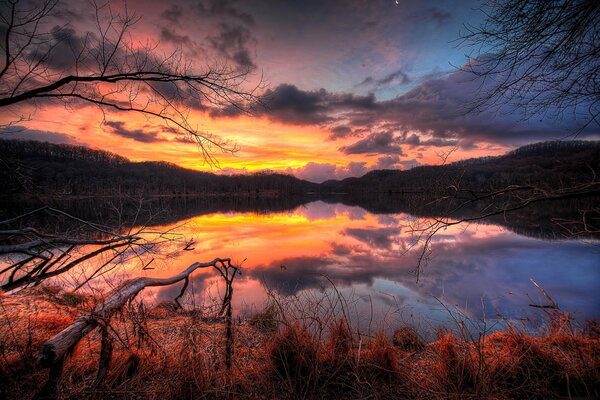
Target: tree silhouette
541,57
43,62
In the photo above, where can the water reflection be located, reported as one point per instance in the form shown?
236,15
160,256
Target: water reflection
481,269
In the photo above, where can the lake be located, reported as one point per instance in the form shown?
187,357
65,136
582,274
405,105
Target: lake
481,271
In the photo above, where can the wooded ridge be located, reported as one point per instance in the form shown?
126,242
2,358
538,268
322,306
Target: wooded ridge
68,170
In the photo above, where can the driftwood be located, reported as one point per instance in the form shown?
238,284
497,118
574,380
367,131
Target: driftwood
55,350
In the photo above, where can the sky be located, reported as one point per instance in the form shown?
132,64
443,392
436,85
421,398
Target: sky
345,87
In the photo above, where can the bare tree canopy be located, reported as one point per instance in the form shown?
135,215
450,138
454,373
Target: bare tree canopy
43,58
541,57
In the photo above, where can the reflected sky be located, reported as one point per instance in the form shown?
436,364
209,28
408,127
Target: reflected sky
481,270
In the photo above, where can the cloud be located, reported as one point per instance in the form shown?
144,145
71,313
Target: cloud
173,14
288,104
223,8
414,140
291,275
408,164
380,238
320,172
63,49
388,162
169,36
232,42
23,133
344,131
432,113
438,15
398,77
139,135
340,131
315,172
376,143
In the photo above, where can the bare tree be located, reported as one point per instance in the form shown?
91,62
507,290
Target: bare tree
42,61
31,254
541,57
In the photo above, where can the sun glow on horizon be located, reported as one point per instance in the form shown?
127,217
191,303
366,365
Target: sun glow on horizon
263,144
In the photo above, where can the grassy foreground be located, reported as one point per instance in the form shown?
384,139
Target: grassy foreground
164,353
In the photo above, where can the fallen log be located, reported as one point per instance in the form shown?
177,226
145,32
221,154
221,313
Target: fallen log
55,350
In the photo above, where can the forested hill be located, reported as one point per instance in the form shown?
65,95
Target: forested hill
546,165
58,169
37,167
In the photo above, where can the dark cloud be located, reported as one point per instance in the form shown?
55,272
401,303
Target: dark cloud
396,78
376,143
343,131
232,42
169,36
62,49
340,131
23,133
432,113
379,238
291,275
173,14
414,140
139,135
223,8
288,104
340,249
438,15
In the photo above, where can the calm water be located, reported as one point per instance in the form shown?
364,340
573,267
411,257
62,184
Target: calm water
480,270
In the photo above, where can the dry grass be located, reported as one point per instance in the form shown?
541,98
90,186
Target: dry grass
166,353
407,339
266,320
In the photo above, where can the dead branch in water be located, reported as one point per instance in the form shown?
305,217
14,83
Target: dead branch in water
32,255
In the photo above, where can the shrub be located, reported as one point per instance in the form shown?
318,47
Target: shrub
380,359
71,299
295,357
266,320
407,339
529,369
340,343
454,369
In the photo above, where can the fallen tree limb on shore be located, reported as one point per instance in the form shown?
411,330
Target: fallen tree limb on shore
55,350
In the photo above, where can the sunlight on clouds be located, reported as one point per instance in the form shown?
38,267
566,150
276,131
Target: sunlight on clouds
263,144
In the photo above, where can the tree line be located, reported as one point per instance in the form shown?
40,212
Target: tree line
58,169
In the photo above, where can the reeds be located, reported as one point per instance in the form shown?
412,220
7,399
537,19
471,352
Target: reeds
168,353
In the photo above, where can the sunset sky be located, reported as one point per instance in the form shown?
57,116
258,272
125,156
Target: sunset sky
349,86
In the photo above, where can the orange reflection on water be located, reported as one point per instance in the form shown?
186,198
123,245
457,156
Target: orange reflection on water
370,255
261,239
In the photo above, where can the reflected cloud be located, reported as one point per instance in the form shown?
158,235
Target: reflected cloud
482,270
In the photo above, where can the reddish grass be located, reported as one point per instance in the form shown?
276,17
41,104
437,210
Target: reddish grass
171,354
407,339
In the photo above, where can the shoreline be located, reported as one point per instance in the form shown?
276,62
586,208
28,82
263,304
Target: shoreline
179,354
